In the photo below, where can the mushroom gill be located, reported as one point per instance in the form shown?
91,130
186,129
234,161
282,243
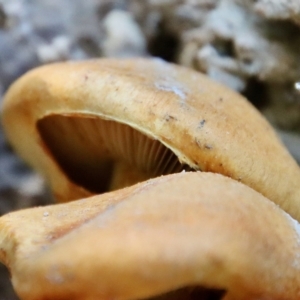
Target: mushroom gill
102,155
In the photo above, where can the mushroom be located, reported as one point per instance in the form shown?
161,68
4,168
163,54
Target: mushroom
192,235
98,125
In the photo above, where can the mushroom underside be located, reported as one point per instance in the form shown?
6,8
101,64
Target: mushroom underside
191,293
102,155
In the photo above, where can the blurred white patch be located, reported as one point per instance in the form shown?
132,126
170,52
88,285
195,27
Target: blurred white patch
123,35
32,185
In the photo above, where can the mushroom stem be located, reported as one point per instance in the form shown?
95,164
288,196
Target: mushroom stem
125,175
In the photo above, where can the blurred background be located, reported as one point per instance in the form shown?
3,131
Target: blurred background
251,46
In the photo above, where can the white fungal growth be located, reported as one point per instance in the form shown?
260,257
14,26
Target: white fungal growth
168,83
54,276
297,86
172,86
295,224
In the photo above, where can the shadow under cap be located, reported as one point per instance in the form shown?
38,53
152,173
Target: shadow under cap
103,155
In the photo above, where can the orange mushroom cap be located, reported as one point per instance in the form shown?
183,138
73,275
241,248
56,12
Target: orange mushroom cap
76,122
